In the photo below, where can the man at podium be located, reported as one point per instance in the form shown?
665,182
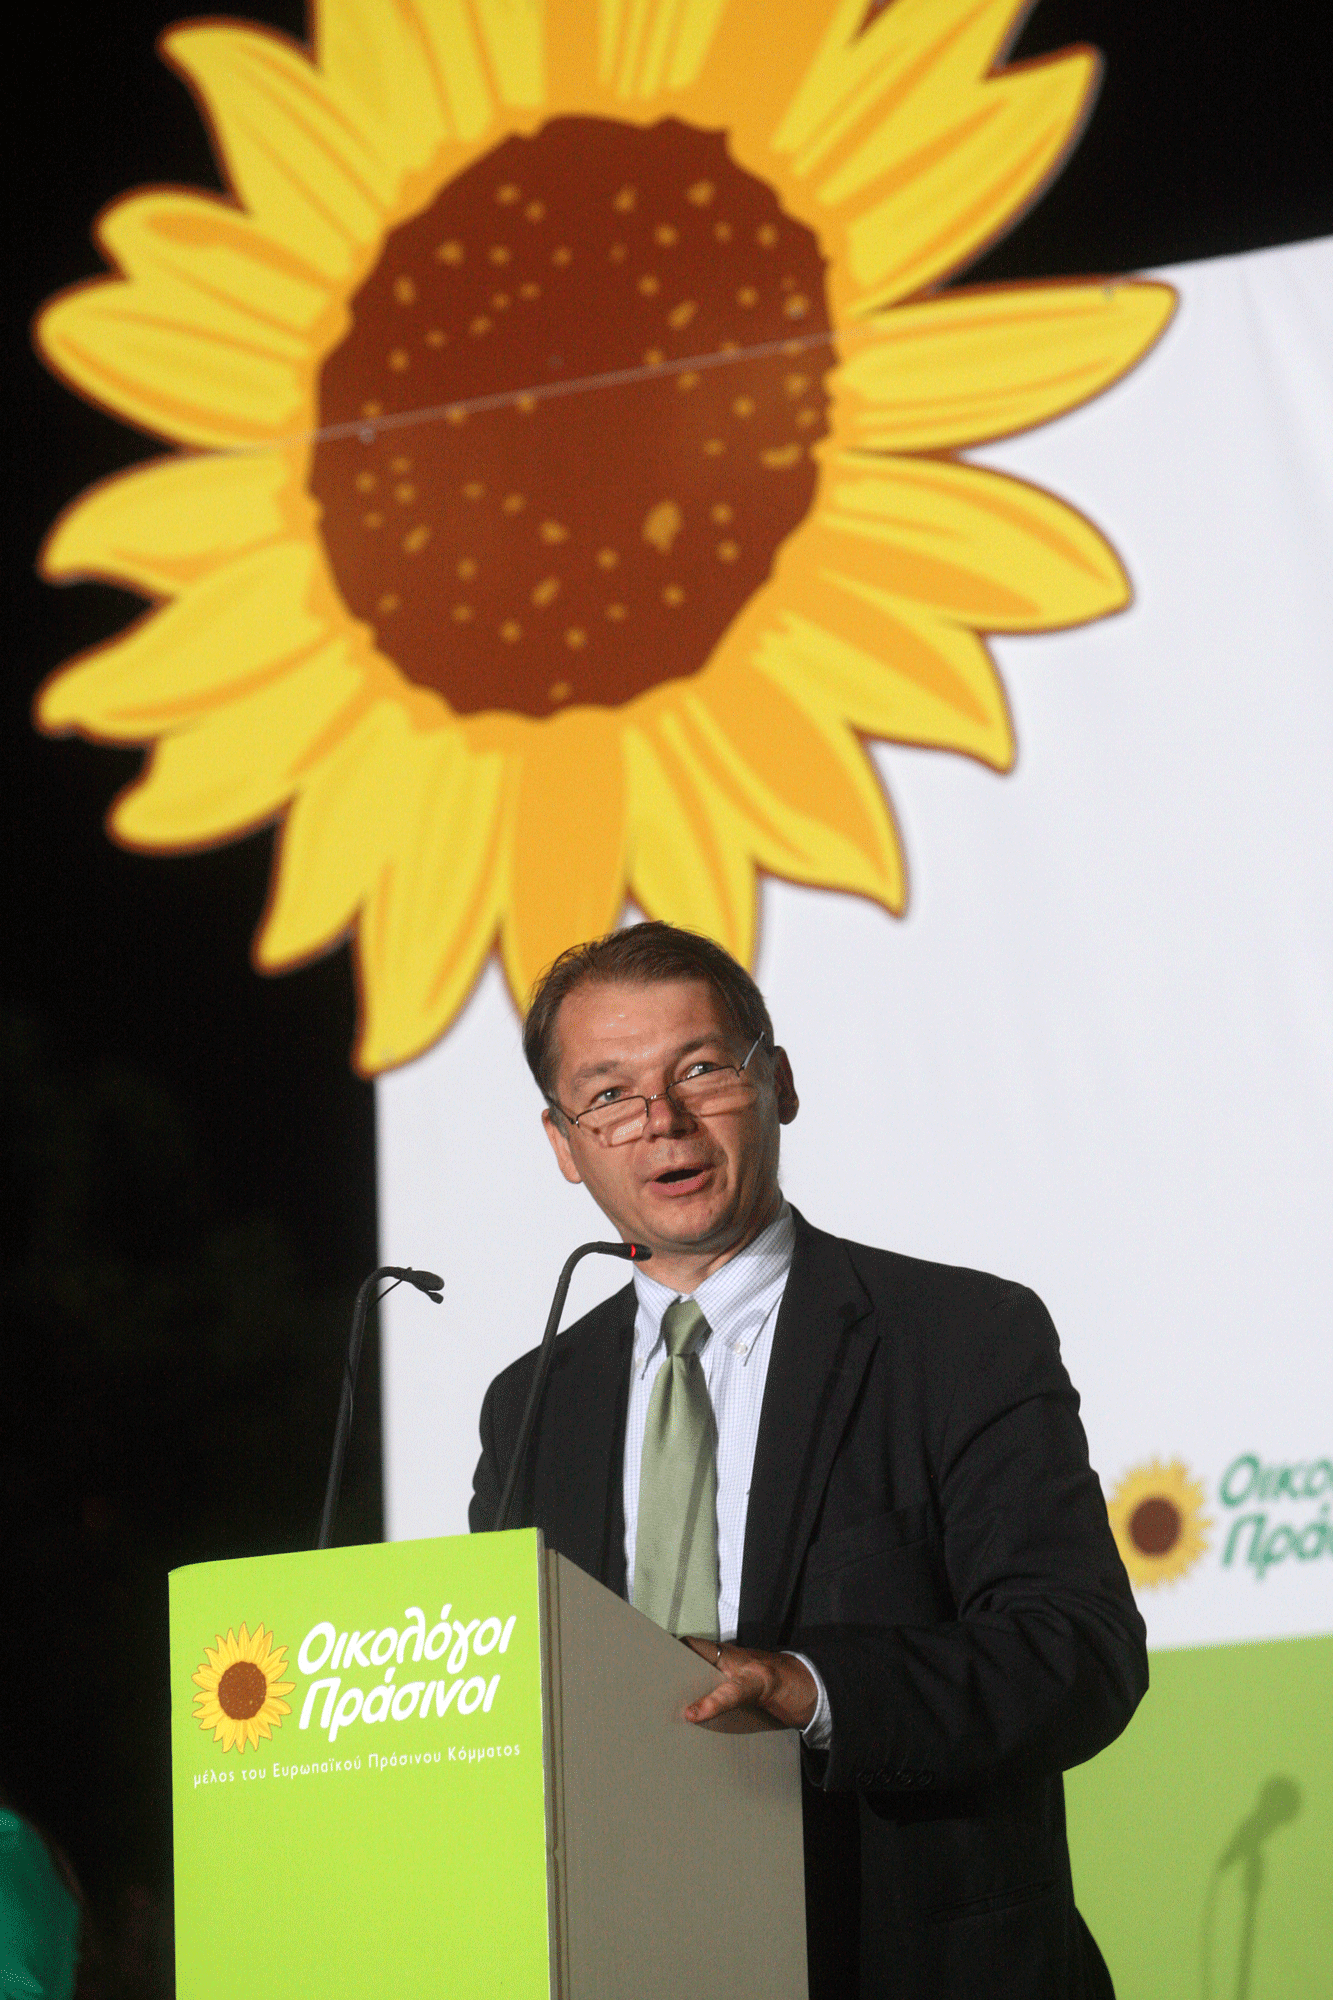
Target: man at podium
856,1481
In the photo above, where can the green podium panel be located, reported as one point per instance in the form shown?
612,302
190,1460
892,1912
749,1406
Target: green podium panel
357,1772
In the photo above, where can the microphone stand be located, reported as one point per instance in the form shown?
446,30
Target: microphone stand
425,1281
639,1253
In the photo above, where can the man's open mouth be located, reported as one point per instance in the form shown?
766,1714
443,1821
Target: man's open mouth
677,1174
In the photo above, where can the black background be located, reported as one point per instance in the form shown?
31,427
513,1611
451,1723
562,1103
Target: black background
188,1166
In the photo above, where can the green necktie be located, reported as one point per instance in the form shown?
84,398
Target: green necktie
675,1547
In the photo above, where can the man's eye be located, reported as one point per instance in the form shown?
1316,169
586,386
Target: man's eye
700,1068
610,1095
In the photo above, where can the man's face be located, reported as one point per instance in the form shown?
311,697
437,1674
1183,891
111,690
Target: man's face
691,1188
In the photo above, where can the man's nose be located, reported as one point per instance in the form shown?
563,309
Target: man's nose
665,1116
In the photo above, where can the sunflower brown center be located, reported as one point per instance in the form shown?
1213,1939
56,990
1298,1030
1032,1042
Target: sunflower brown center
242,1690
587,545
1154,1526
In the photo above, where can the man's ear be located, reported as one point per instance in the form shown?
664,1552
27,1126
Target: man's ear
558,1134
785,1084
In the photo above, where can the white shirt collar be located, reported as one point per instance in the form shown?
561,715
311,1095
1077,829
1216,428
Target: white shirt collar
735,1300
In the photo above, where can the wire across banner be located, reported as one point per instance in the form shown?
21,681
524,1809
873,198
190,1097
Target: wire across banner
367,429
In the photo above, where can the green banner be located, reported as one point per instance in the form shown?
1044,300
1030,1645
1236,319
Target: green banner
357,1772
1201,1838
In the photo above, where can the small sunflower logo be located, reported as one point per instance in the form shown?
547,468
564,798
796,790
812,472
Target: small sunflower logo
499,653
1158,1522
241,1686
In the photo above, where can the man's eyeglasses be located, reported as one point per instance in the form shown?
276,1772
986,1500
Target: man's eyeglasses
703,1093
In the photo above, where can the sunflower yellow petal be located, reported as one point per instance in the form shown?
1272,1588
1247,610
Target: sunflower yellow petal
142,352
806,799
327,857
976,365
567,850
693,31
435,908
428,881
161,297
169,524
459,54
771,51
903,134
299,160
646,47
228,273
868,77
568,59
513,35
488,53
685,864
899,674
240,763
620,25
969,183
378,59
886,79
243,624
978,547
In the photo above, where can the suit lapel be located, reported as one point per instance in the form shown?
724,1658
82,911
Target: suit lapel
821,1351
579,1492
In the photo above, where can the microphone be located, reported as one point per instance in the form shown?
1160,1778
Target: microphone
638,1253
433,1287
425,1281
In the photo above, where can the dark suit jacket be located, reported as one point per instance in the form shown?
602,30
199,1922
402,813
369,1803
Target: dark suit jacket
924,1525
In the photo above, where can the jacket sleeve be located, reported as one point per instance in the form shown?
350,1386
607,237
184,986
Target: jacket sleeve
486,1480
1043,1661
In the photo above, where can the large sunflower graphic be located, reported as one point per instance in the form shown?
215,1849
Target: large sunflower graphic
241,1686
570,482
1158,1522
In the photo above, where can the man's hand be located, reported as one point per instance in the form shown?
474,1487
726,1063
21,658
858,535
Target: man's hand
777,1683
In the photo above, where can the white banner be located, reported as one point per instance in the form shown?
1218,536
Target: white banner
1097,1053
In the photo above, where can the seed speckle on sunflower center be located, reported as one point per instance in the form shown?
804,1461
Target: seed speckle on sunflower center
242,1690
588,522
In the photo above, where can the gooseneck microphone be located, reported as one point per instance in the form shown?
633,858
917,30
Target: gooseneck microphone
433,1287
639,1253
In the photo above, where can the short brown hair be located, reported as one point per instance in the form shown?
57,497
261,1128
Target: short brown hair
646,954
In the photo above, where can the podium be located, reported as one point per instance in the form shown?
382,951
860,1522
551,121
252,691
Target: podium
459,1768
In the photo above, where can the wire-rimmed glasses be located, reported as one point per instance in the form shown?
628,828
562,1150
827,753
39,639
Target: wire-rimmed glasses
703,1094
